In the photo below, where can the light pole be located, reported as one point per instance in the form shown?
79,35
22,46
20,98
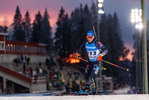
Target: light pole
100,12
137,21
144,50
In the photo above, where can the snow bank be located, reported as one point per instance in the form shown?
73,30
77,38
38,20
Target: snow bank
88,97
122,91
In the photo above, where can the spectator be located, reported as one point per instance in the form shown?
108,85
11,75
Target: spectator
47,61
67,88
45,72
31,72
28,71
75,86
37,71
69,74
76,75
22,59
24,69
34,73
61,63
39,64
131,90
58,74
25,59
52,62
49,67
35,78
17,61
51,74
55,75
40,71
82,84
28,60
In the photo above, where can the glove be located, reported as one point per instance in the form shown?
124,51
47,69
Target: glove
99,58
78,56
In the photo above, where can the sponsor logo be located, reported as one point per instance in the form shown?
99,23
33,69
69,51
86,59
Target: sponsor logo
90,47
90,34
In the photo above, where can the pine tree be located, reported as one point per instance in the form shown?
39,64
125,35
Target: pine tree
18,32
74,19
118,43
62,35
137,58
46,32
115,45
137,47
103,31
59,32
67,42
109,25
87,20
94,15
26,26
81,20
35,37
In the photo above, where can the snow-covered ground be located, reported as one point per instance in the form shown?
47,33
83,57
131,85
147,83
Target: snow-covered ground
120,94
88,97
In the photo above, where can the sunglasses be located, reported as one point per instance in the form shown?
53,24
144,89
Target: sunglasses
89,37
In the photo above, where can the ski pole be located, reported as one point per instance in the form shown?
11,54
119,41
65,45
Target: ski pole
88,61
83,59
94,31
108,63
115,65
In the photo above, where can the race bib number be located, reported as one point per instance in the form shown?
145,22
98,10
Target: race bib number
93,54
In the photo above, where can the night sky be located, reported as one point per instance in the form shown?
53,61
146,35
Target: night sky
122,7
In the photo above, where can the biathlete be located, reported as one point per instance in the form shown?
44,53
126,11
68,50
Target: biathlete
94,51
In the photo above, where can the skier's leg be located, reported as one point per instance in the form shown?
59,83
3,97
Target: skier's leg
92,77
87,78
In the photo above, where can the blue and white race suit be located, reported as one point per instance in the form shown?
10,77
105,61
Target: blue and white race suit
93,50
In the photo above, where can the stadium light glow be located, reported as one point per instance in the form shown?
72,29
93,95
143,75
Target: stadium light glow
100,5
100,0
101,11
136,18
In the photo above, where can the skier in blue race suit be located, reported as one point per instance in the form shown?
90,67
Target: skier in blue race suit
94,51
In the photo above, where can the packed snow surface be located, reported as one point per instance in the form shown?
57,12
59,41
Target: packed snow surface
76,97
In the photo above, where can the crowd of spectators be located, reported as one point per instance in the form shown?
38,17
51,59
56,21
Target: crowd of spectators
69,81
56,76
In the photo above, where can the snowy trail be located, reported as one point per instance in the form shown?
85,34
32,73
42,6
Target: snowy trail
89,97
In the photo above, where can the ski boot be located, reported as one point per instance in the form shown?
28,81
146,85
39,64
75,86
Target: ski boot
93,92
87,88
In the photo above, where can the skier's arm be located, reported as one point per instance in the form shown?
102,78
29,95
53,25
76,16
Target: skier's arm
103,49
81,48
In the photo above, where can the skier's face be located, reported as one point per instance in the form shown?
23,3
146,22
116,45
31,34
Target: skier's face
90,38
